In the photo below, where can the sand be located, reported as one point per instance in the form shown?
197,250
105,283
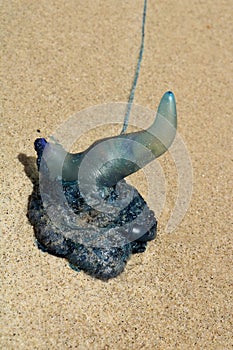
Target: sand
60,57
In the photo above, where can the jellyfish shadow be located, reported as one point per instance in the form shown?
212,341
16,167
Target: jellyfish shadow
30,169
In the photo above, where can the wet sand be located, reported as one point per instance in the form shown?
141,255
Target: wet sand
59,58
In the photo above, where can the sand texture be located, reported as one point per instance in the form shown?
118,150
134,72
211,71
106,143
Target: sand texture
60,57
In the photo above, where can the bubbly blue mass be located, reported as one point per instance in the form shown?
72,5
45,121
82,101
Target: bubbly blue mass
103,262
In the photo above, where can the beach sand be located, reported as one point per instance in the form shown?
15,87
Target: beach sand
61,57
